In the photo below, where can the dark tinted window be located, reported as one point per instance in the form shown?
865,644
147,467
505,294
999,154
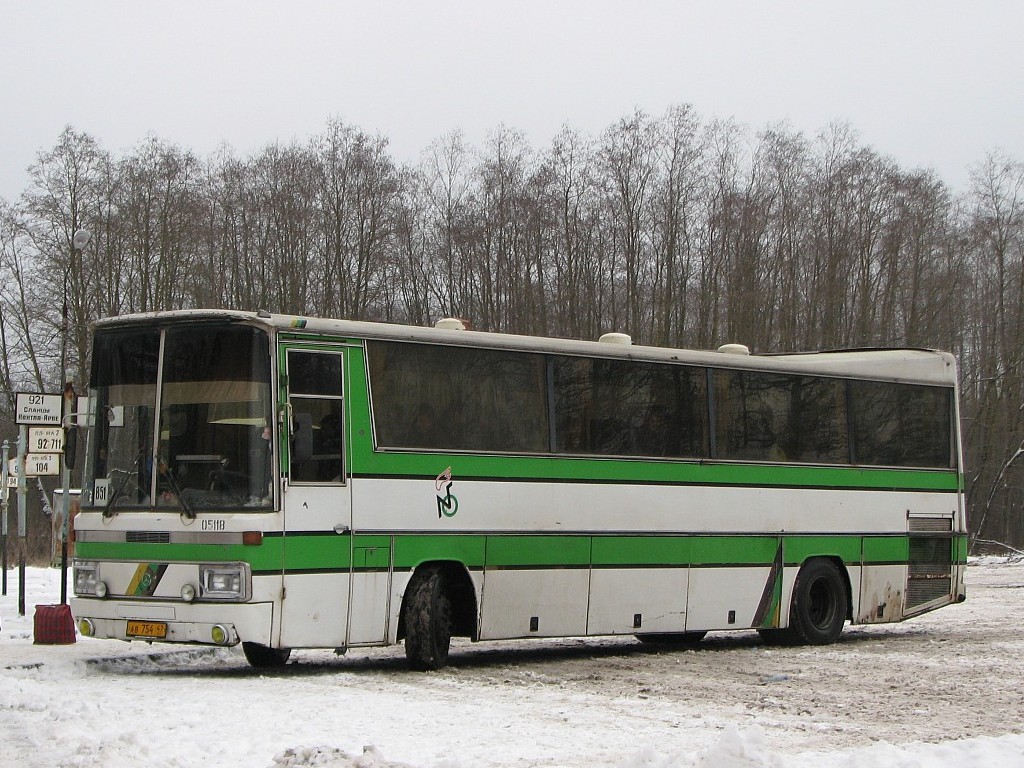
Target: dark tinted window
216,354
314,374
125,357
619,407
901,424
779,417
427,396
751,412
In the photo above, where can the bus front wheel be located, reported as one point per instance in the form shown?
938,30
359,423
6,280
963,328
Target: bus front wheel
818,608
427,614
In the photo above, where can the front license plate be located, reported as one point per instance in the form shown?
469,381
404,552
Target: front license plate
151,629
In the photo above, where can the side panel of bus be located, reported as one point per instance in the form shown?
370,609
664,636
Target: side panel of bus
682,558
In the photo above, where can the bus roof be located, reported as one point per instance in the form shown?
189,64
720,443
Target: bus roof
921,366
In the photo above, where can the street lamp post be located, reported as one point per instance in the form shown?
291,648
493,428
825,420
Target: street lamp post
78,243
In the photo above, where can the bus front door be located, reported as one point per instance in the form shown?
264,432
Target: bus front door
317,500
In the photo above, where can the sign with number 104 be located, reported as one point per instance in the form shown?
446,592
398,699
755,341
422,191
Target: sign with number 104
37,464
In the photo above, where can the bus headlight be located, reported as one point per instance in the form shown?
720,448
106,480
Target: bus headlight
223,582
86,576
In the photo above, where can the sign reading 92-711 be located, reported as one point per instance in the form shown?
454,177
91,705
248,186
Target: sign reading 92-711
46,440
36,408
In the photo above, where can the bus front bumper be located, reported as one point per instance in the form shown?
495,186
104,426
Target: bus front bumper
164,622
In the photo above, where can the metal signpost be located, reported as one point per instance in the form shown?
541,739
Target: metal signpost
4,475
37,410
22,521
67,451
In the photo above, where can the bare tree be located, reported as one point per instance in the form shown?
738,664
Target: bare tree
675,229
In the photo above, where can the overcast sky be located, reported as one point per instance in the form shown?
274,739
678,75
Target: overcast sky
933,83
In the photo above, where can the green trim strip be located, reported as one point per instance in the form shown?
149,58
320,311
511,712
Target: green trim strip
637,471
310,553
266,557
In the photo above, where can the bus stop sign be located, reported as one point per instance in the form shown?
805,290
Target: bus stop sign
38,409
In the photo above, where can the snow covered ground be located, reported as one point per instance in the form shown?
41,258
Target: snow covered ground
945,689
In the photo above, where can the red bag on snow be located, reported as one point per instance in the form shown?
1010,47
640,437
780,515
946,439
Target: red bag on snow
54,625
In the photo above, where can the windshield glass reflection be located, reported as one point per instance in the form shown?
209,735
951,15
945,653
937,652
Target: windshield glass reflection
209,448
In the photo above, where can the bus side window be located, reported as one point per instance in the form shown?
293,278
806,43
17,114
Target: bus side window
315,395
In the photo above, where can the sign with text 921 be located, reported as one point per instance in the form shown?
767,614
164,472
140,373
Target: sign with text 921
35,408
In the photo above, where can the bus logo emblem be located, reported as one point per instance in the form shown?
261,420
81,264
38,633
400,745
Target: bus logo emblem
447,505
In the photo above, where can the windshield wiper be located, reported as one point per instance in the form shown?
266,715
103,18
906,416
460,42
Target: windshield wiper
108,510
165,471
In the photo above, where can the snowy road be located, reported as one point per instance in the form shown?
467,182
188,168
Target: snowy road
942,689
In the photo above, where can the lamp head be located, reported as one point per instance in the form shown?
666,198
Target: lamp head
81,239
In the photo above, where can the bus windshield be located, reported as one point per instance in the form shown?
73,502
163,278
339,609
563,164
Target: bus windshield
181,418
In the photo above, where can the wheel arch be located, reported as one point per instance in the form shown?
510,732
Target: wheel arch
462,592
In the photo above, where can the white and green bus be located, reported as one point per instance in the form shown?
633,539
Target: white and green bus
287,482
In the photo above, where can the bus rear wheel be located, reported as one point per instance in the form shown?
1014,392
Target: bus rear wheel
263,657
818,608
427,616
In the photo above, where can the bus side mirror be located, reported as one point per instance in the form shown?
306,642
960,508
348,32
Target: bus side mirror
302,437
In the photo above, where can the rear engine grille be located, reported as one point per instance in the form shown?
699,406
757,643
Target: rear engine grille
930,575
931,525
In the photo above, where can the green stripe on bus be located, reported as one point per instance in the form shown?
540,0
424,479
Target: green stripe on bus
643,550
741,550
267,556
800,548
539,551
631,471
886,549
371,552
312,552
960,547
469,550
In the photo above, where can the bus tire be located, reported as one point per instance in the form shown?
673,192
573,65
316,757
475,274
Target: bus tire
818,608
262,657
427,615
667,639
777,637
